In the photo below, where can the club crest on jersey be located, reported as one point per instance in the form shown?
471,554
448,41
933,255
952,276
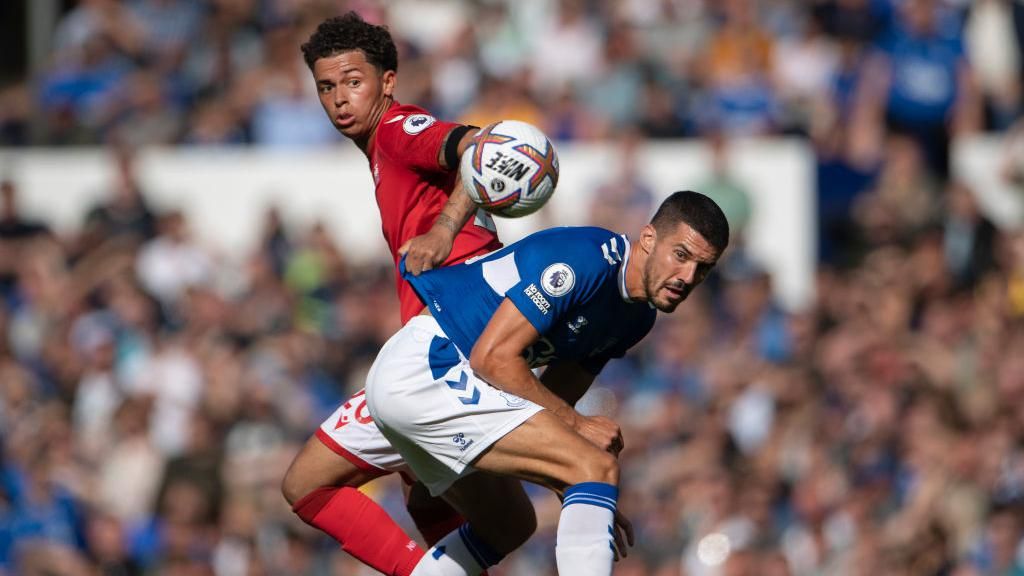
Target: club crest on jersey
417,123
558,279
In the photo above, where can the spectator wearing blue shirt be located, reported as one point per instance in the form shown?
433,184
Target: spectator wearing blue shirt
920,84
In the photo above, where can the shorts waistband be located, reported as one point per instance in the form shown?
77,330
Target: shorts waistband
426,322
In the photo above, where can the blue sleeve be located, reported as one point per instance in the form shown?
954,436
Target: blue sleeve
559,272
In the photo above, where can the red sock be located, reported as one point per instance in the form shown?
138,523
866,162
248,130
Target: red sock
362,527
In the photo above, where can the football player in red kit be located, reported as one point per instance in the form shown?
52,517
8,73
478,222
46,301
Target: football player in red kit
427,217
413,156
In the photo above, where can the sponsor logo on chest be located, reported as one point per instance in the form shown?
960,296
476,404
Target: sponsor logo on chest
577,324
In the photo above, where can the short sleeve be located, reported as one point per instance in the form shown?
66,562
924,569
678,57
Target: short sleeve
558,273
414,140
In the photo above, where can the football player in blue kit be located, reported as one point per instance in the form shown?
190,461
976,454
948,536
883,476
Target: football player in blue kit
453,390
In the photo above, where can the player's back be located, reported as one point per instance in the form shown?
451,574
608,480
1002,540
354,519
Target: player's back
568,282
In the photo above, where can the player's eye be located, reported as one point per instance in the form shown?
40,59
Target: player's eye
680,254
354,83
325,88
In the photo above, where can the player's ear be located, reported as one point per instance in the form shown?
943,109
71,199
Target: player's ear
388,82
648,238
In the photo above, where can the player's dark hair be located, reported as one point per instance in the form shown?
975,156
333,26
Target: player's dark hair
350,32
699,212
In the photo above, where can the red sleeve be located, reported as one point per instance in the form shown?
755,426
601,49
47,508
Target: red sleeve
413,138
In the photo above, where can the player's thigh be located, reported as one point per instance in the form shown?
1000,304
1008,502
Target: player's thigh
441,418
496,507
316,466
347,450
544,450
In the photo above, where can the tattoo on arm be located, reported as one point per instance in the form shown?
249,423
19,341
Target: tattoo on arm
447,222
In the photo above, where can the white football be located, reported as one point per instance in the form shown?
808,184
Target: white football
511,168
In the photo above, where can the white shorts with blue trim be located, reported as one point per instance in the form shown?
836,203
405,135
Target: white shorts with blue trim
433,409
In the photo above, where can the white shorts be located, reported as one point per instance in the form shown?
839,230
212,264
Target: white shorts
425,399
351,433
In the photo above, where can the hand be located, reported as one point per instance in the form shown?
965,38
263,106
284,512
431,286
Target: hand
602,432
622,526
427,251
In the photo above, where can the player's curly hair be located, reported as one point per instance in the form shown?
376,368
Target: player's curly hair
351,32
699,212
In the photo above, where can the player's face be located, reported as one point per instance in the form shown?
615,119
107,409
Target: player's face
353,92
677,263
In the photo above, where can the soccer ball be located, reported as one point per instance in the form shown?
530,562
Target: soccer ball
510,169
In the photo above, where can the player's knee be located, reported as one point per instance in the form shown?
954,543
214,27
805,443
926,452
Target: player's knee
292,487
298,482
596,466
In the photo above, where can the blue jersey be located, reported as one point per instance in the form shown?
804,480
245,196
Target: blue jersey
568,282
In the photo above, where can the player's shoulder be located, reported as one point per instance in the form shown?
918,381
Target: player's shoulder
590,248
588,240
578,233
407,119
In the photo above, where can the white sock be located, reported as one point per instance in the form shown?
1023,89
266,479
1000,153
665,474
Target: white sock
585,541
460,553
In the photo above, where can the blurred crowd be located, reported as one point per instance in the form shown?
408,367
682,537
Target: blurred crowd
218,72
152,392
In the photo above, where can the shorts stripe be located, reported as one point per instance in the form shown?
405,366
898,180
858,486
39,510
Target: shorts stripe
338,449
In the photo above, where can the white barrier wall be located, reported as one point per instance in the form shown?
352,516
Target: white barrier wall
982,163
225,192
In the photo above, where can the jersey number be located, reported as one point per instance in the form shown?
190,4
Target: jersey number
354,409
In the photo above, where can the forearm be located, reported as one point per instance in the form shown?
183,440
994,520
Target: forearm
457,211
513,375
460,206
568,380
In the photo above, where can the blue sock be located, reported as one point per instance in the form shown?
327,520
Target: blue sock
460,553
585,544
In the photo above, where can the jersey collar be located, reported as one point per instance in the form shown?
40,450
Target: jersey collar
622,270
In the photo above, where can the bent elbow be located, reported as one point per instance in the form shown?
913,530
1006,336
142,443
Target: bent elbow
487,362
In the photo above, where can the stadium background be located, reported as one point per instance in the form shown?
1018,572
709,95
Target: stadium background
162,355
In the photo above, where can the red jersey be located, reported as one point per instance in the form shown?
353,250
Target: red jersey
412,189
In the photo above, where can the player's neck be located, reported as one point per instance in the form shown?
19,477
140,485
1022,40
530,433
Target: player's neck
365,142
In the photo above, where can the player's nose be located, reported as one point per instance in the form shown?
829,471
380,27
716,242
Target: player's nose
688,272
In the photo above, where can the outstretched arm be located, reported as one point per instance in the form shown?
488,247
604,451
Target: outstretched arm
429,250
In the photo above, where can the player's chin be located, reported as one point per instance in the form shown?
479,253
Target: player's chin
668,305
